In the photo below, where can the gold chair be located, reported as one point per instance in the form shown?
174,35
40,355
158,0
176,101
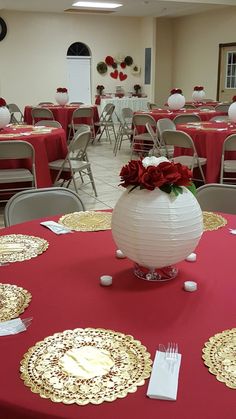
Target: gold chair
16,114
82,112
228,166
41,113
183,119
217,197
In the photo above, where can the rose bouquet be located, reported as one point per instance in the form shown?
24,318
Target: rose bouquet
100,89
137,87
61,90
2,102
176,90
198,88
156,172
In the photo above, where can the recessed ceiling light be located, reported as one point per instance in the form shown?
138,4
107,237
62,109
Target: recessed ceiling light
97,5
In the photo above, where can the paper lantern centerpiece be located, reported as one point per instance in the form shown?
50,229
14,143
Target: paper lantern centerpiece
232,110
62,97
198,94
5,115
176,100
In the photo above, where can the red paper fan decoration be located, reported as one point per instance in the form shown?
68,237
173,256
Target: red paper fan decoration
109,60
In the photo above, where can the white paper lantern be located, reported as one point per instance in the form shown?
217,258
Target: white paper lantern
5,116
62,98
232,112
198,95
156,229
176,101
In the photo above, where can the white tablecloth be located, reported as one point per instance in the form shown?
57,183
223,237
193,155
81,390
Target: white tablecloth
135,103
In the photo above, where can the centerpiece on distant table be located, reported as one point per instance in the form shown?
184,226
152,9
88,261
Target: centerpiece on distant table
157,221
232,110
198,94
176,100
137,89
5,115
100,89
62,97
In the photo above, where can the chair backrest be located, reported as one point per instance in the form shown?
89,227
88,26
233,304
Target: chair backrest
220,118
182,119
16,150
178,139
14,109
229,143
48,123
79,144
153,135
76,103
165,123
142,119
189,106
223,107
38,203
41,113
203,107
151,106
127,113
45,103
107,112
217,197
85,112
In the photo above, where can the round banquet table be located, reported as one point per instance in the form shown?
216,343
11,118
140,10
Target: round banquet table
49,145
208,138
63,114
64,283
205,115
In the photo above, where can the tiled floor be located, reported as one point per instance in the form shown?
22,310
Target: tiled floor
106,168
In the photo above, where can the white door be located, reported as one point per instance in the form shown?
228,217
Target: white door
227,85
79,79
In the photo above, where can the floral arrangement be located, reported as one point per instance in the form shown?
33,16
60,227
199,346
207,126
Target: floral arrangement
156,172
2,102
176,90
234,99
198,88
61,90
100,88
116,62
137,87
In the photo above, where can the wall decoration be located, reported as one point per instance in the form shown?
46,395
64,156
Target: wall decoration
102,67
135,69
109,60
114,74
128,60
122,76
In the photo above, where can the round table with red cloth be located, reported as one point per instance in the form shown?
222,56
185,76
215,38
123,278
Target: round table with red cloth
48,146
66,294
208,138
205,115
62,114
210,103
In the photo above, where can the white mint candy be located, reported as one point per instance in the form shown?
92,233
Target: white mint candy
106,280
120,254
190,286
192,257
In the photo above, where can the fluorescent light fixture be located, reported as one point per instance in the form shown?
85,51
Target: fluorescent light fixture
97,5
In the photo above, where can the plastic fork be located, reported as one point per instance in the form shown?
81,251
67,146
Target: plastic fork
171,355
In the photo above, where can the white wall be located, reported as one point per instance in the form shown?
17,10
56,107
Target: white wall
164,60
148,40
33,54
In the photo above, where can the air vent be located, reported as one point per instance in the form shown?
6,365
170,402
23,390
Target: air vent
89,11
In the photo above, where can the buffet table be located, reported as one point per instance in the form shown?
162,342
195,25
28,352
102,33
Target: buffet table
208,138
66,294
49,144
62,114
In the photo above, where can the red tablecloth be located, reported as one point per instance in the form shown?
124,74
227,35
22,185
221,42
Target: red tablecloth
64,282
62,114
164,113
197,104
48,147
208,139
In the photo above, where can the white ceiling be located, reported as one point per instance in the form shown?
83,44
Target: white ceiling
155,8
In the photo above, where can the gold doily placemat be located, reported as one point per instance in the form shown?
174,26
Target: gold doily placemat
52,367
219,355
212,221
13,301
19,247
87,220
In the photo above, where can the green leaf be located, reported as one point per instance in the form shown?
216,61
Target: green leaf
177,190
192,188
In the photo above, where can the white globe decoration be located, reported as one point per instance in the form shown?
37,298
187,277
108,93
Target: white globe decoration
232,112
176,101
62,98
156,229
5,116
198,95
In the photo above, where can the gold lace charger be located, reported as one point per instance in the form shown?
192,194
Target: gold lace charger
213,221
13,301
86,366
87,221
219,357
19,247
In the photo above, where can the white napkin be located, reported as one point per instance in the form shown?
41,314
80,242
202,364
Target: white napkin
163,383
55,227
12,327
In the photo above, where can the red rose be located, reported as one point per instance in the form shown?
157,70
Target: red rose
61,90
123,64
234,99
185,175
170,173
152,178
198,88
131,173
2,102
109,60
173,91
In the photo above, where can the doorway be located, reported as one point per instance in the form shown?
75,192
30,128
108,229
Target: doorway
79,73
226,88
